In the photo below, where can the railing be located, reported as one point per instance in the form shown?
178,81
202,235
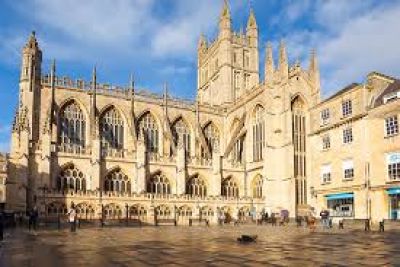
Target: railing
337,213
53,194
108,89
156,158
199,161
234,164
113,152
72,149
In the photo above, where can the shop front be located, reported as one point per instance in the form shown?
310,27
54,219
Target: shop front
394,203
340,205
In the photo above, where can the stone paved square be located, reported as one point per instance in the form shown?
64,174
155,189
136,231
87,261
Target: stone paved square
200,246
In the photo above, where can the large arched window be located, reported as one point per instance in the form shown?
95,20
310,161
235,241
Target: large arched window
196,187
257,187
159,184
181,134
72,128
258,133
238,148
211,135
111,130
71,178
148,126
299,145
230,188
117,181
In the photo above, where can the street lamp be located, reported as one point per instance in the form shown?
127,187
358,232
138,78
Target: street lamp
44,191
126,207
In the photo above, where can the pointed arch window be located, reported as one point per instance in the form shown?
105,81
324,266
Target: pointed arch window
181,134
111,130
196,186
117,181
159,184
211,135
72,127
230,188
258,133
257,187
148,127
71,178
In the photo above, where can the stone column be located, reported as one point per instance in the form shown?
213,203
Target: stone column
216,174
141,167
45,164
180,170
95,165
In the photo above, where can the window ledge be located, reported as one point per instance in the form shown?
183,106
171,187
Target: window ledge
348,179
392,181
348,144
391,136
325,183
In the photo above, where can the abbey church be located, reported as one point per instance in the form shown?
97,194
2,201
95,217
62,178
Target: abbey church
243,147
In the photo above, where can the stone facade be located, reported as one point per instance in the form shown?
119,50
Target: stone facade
3,178
243,146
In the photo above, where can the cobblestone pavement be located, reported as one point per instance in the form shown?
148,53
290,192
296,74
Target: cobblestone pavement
200,246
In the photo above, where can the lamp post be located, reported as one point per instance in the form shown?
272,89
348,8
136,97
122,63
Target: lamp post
126,210
44,191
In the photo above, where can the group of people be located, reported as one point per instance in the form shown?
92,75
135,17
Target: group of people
33,216
281,218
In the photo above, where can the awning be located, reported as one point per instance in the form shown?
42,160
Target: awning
339,196
393,191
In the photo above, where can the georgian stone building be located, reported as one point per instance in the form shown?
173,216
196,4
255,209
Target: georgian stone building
243,146
3,179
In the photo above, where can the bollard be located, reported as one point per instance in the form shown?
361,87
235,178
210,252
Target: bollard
58,222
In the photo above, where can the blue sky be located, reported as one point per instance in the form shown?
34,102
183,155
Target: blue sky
156,39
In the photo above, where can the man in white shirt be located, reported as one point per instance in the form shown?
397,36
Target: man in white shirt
72,217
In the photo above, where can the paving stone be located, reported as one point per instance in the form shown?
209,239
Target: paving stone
199,246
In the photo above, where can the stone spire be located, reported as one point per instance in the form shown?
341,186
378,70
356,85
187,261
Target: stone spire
251,22
32,41
269,64
165,95
202,42
52,82
132,97
283,61
225,21
314,72
225,13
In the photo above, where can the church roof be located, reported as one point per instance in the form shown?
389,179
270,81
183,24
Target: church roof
392,88
342,91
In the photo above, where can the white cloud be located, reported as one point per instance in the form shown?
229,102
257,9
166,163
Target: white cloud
368,43
172,69
179,36
352,38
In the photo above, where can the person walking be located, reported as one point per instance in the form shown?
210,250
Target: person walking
72,217
35,215
324,214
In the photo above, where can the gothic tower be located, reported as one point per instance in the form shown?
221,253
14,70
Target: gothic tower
228,67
